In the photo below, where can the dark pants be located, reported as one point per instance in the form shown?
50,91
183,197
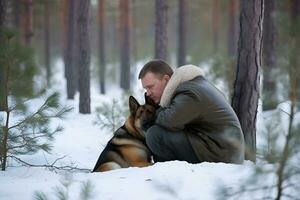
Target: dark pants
167,145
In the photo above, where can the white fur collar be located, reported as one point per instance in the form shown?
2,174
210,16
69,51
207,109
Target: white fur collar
180,75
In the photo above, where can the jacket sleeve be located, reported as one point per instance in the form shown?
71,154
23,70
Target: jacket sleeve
183,109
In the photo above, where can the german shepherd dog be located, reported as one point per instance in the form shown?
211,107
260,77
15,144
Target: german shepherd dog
127,147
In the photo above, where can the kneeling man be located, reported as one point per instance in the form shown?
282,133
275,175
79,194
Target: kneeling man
195,123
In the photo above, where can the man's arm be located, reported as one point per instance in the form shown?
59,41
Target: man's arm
184,107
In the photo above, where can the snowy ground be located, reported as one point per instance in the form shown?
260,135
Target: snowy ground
81,143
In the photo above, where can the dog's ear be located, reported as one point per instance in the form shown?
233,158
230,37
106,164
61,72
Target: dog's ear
149,101
133,105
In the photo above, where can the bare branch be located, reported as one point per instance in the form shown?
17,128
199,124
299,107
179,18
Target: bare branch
52,165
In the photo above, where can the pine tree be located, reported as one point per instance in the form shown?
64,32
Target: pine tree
112,115
24,127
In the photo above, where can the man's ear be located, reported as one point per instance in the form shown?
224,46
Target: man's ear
133,105
149,101
166,77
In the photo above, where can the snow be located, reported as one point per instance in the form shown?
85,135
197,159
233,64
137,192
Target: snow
169,180
81,143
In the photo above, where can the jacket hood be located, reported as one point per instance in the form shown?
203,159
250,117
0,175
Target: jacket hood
180,75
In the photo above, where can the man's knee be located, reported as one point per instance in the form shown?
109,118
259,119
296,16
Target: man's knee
155,140
153,135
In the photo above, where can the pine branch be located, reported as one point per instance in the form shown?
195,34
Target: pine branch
26,140
42,112
26,119
40,196
25,100
42,133
86,190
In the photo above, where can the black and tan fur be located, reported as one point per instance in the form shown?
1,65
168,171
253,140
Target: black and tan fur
127,148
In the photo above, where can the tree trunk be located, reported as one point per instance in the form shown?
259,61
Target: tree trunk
161,24
134,32
2,13
2,40
70,54
233,26
269,56
3,147
182,30
124,45
216,21
16,21
246,86
84,56
4,78
232,44
101,46
294,69
47,42
64,13
27,24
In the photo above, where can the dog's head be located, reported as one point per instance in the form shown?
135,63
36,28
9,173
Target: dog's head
141,116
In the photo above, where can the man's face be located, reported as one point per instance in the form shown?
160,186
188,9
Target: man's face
154,85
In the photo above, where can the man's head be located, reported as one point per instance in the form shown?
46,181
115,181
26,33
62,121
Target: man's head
155,76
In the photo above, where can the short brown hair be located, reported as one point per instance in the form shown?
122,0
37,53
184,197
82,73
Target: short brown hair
158,67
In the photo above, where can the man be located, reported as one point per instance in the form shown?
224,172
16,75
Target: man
194,123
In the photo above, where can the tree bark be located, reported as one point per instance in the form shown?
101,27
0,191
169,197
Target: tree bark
232,44
124,45
84,56
64,13
4,73
102,70
4,149
294,60
182,29
16,21
70,54
27,26
2,40
47,41
161,24
269,56
2,13
246,86
233,26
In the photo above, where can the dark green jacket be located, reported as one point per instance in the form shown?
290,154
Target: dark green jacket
202,112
